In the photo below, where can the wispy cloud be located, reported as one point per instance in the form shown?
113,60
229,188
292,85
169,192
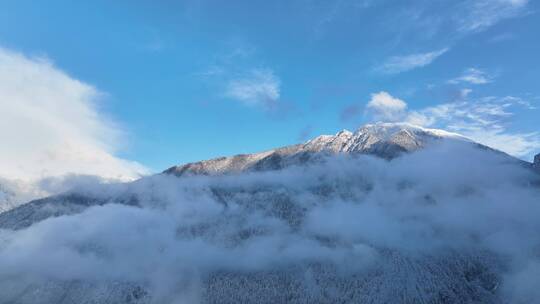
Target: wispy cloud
473,76
238,75
330,11
485,120
478,15
398,64
260,87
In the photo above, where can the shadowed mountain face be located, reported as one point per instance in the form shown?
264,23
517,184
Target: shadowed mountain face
536,163
320,222
384,140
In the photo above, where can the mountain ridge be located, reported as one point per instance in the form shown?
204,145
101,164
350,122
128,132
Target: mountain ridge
385,140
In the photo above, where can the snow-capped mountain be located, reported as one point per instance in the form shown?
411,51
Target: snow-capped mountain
318,222
385,140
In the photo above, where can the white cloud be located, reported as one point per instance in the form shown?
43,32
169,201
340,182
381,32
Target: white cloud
50,124
398,64
385,107
260,87
479,15
473,76
484,120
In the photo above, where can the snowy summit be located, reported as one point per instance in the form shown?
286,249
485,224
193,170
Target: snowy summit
385,140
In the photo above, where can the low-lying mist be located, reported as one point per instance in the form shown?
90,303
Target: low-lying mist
347,212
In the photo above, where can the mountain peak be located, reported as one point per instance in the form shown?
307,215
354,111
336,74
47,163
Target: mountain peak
536,162
389,128
385,140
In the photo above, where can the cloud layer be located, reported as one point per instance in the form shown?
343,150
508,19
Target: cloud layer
191,239
50,124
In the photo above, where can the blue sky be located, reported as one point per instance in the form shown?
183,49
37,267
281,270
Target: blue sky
188,80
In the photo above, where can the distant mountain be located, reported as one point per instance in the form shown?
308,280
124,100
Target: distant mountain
385,140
